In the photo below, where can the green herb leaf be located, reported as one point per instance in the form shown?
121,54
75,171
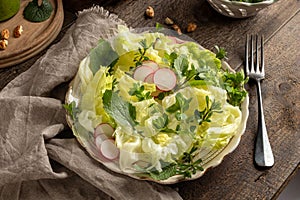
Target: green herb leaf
161,122
181,65
205,115
234,85
140,56
166,173
181,104
170,58
121,111
103,55
138,90
37,13
186,166
158,27
71,109
221,53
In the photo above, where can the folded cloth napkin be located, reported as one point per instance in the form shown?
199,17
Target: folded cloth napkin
38,158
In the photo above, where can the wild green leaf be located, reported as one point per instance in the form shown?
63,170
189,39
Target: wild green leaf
102,55
37,13
121,111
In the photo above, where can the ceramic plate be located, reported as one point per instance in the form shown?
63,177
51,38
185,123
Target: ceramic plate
143,154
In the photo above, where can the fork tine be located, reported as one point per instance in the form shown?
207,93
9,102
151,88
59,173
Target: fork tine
262,55
247,55
251,55
257,69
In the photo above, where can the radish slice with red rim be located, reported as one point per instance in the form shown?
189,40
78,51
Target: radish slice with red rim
99,140
141,72
109,150
164,79
149,78
104,128
151,64
176,40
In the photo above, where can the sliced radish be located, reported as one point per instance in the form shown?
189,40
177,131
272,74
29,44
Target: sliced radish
149,78
164,79
99,140
141,72
151,64
109,150
104,128
176,40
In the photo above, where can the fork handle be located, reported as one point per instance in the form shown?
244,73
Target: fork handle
263,152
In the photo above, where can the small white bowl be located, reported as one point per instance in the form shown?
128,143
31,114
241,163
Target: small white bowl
238,9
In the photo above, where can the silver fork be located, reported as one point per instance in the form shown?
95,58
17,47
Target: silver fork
255,70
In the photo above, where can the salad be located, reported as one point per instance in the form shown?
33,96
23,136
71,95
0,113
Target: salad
153,105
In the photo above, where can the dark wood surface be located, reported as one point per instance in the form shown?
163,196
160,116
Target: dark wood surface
236,177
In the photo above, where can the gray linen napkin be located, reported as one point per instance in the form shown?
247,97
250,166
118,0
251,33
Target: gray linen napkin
33,164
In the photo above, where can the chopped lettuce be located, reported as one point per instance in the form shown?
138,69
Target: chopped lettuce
155,129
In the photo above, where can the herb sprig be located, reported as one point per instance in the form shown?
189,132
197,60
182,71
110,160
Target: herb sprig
221,53
186,166
71,109
234,85
140,56
138,90
207,112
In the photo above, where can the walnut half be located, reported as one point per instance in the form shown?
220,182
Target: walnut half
149,12
191,27
5,34
18,31
3,44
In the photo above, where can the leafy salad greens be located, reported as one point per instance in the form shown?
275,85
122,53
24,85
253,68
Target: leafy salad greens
154,104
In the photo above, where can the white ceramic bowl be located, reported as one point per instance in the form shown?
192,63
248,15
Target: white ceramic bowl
210,157
237,9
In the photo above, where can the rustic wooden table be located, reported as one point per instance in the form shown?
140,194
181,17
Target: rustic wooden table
236,177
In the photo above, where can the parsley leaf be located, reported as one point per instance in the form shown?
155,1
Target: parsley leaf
181,65
170,58
161,124
71,109
181,104
138,90
221,53
234,85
